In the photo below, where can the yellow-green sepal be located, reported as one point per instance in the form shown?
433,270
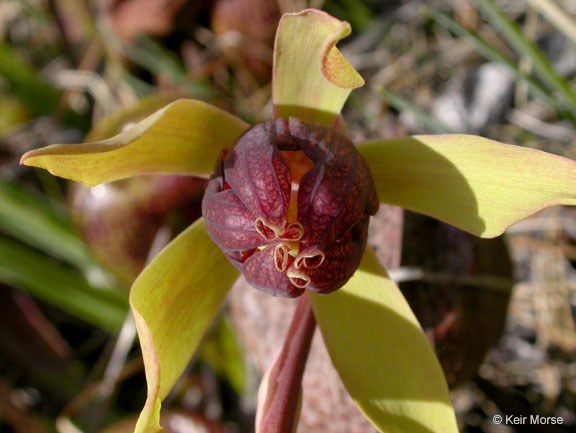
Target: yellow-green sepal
382,355
185,137
311,78
174,301
476,184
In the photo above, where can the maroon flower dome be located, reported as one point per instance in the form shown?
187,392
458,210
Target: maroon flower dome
289,228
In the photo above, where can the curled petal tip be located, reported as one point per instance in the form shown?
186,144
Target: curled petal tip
267,230
298,278
293,232
310,259
23,158
281,257
311,78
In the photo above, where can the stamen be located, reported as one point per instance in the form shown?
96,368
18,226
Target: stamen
281,254
314,261
293,232
310,260
266,230
298,278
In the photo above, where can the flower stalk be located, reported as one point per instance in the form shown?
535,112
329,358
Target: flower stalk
280,392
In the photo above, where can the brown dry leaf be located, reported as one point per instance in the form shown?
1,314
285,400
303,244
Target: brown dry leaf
133,18
245,30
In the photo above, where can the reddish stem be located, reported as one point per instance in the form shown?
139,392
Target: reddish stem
281,407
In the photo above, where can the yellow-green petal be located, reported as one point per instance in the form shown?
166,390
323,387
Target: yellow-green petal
184,137
174,300
476,184
311,78
382,355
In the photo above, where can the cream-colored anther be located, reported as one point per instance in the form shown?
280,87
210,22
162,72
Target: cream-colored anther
281,255
268,231
298,278
293,232
310,261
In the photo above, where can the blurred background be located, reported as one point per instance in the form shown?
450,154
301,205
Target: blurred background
499,313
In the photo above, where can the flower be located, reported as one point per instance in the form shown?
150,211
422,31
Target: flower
317,243
373,338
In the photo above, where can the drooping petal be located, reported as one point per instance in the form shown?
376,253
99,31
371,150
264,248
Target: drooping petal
382,355
266,270
338,191
476,184
339,261
184,137
174,300
229,223
311,78
260,175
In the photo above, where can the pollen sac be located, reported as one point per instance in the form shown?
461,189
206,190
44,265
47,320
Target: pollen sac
286,228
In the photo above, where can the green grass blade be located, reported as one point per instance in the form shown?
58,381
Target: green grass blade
223,353
358,14
512,33
60,286
36,222
26,82
563,21
157,60
495,55
422,116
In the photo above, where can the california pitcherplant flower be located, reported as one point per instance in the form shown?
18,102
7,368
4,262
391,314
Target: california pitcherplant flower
289,205
285,242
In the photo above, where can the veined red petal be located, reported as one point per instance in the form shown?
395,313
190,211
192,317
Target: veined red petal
261,271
